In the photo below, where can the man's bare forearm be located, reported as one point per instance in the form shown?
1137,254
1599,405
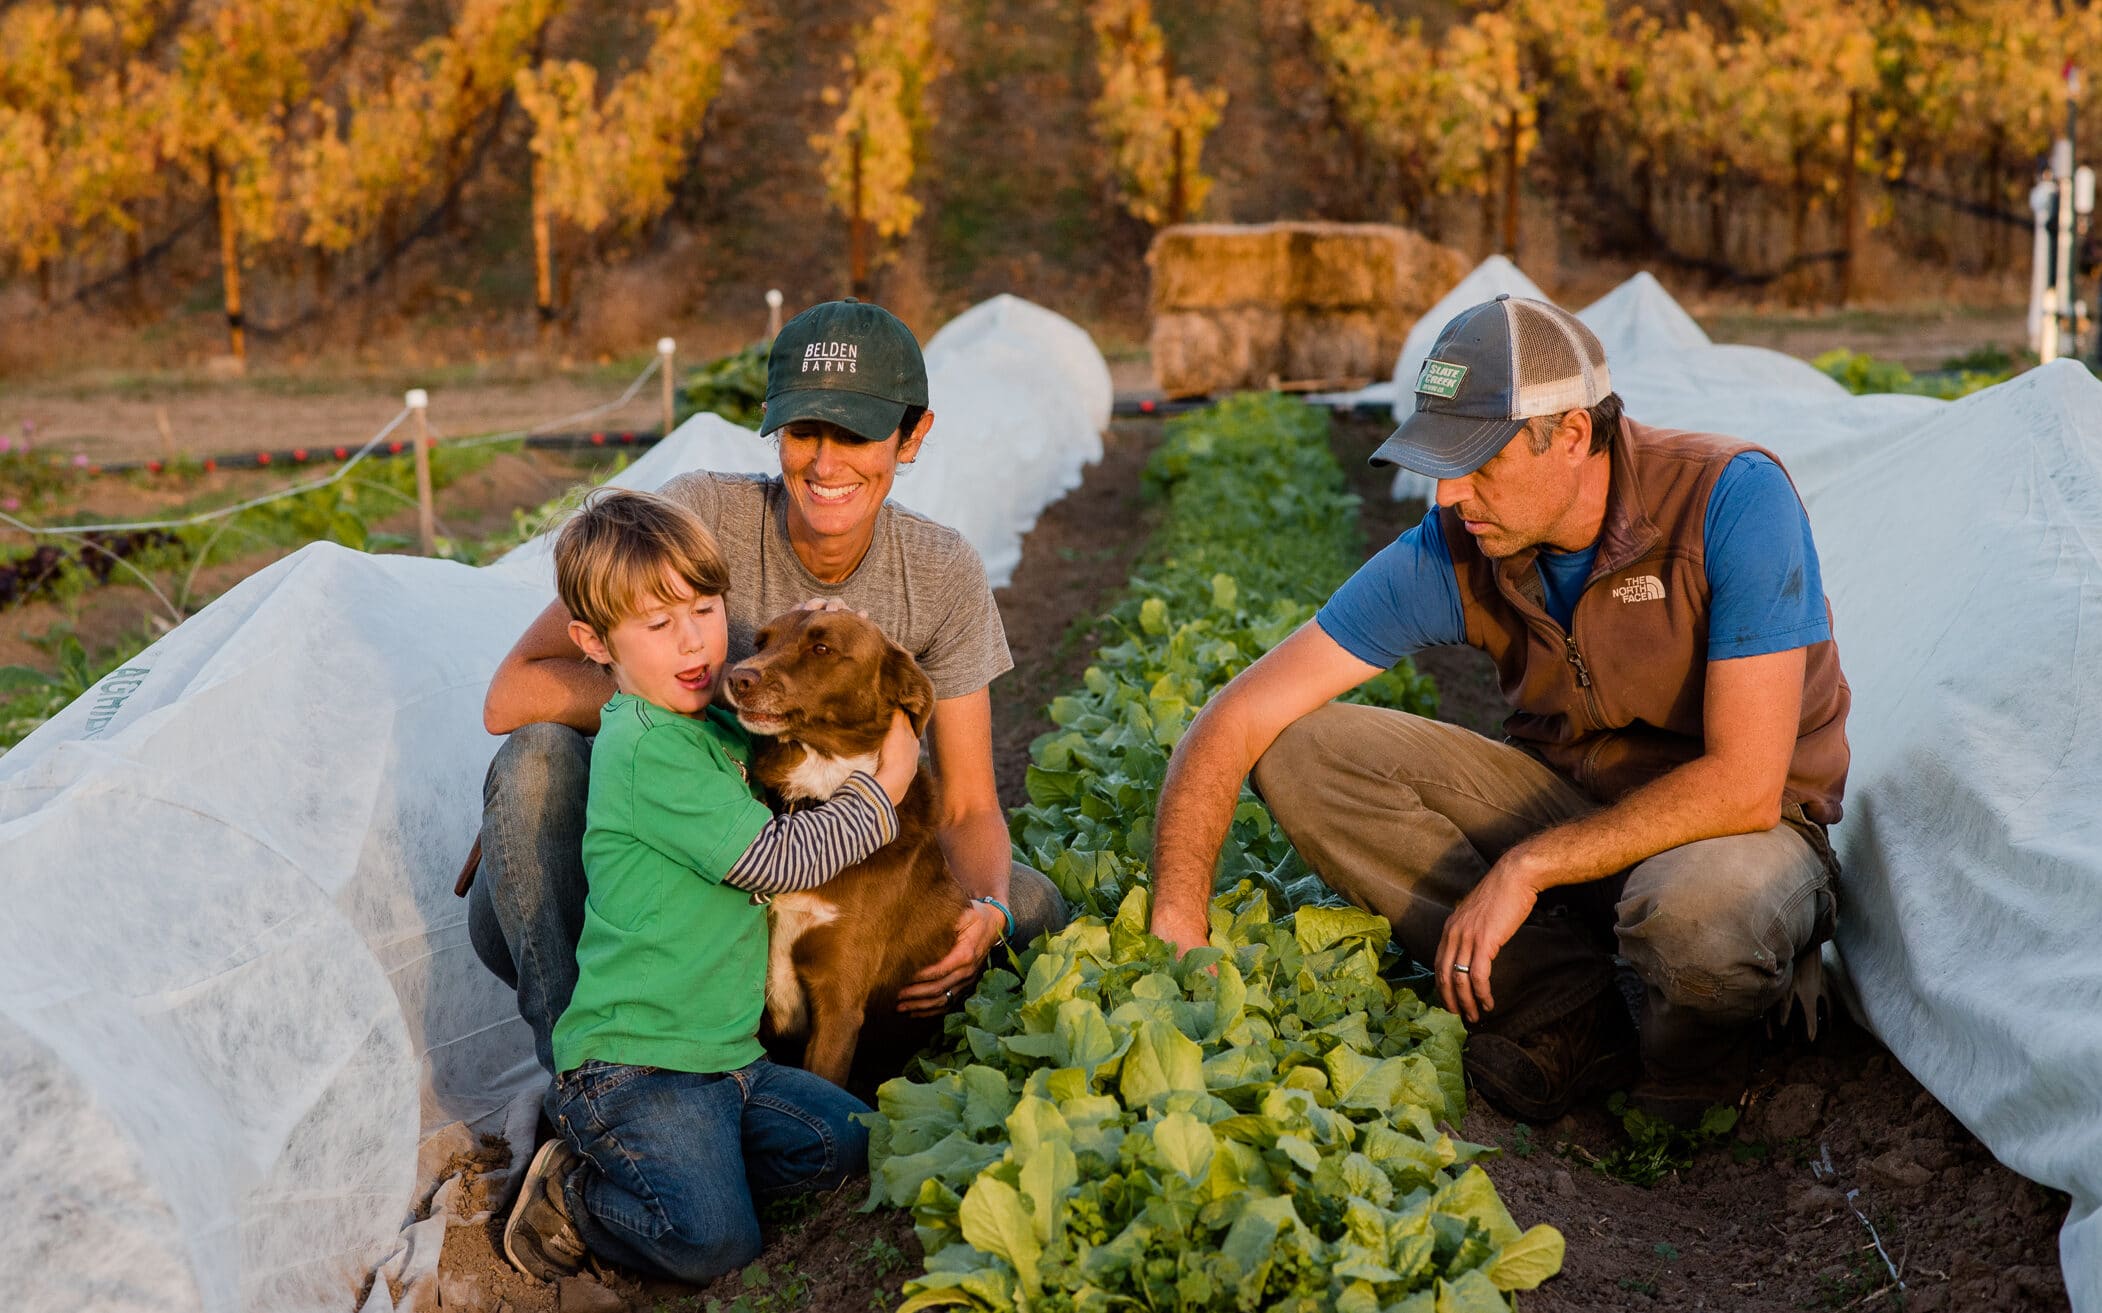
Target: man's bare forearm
1704,799
1197,800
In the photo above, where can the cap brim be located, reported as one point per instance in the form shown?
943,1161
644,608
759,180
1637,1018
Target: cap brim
858,413
1445,446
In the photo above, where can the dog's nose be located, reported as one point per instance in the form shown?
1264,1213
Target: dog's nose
742,681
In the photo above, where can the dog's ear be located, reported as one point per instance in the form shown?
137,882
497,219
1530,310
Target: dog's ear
907,687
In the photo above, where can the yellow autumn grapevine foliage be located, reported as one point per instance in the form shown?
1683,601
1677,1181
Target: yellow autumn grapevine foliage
883,114
1151,123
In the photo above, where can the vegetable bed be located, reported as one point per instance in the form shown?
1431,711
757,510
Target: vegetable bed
1257,1125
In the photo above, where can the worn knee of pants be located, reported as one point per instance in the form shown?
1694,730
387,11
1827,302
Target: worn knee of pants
1404,816
526,907
1714,929
676,1162
1038,907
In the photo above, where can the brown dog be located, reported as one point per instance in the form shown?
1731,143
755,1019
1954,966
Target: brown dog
819,691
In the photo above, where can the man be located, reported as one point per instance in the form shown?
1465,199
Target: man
1652,602
846,402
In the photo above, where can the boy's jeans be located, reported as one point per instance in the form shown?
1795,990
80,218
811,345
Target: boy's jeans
675,1162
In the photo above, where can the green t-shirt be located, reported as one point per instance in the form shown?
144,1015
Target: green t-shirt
671,967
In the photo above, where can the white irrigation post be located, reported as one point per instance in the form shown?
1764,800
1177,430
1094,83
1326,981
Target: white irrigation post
665,347
419,402
2062,283
2043,200
773,313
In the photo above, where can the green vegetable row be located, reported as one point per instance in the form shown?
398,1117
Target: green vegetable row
1258,532
1256,1125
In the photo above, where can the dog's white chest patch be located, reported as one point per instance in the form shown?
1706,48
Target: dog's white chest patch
818,776
788,916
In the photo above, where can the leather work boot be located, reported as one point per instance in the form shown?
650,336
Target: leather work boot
1689,1072
1536,1076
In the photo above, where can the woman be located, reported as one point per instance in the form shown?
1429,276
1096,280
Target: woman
846,399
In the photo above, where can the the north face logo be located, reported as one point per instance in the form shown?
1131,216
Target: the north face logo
1642,588
832,358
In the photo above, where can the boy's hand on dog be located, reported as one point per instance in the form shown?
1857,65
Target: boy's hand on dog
898,760
933,991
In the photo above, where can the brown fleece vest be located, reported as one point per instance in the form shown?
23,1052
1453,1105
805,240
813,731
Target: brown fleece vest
1616,700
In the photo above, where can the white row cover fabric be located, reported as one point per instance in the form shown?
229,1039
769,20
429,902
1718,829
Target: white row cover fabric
1961,544
236,990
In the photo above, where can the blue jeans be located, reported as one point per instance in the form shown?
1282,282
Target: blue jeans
525,909
675,1162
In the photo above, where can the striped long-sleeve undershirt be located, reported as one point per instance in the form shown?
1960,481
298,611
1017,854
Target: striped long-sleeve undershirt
803,849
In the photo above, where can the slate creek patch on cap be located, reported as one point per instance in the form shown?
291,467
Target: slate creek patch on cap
1440,379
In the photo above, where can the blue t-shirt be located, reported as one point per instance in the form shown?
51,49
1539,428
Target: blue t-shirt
1765,593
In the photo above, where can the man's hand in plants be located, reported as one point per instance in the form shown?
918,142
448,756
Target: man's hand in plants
1183,931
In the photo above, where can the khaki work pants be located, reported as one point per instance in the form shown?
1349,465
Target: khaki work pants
1403,816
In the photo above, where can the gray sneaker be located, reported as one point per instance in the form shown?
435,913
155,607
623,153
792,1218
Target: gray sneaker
539,1238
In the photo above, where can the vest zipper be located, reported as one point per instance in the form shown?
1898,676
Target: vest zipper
1583,674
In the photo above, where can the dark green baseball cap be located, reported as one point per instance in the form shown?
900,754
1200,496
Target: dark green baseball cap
847,363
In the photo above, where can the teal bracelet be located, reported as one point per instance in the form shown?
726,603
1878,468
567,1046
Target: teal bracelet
1003,912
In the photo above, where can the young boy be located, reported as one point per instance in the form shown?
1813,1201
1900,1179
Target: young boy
670,1121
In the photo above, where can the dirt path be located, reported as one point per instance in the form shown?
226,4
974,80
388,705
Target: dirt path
120,418
1918,339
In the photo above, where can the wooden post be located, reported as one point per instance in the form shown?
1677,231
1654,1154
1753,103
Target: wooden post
1178,184
1846,198
543,272
857,233
426,520
773,313
1511,186
665,347
230,261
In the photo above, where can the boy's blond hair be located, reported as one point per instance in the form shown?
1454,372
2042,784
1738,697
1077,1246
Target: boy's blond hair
621,546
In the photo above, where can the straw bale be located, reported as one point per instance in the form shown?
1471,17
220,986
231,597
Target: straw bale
1215,266
1207,351
1243,305
1333,346
1345,266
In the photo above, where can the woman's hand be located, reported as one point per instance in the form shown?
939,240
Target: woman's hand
936,987
828,604
899,758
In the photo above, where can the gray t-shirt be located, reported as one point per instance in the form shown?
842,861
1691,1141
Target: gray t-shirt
921,581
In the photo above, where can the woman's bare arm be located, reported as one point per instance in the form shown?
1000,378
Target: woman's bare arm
546,677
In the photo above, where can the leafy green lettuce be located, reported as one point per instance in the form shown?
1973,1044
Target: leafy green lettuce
1255,1126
